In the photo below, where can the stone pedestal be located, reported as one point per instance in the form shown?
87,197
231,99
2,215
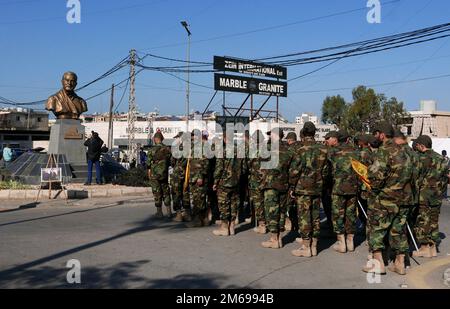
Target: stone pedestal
67,138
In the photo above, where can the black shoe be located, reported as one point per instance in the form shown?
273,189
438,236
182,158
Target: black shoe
87,184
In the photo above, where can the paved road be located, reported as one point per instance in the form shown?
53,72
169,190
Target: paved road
119,245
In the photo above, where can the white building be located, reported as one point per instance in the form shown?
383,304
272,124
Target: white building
305,118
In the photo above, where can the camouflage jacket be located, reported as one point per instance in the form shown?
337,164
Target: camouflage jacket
345,180
391,175
277,178
256,175
228,171
198,164
415,184
433,178
158,162
309,168
366,156
179,168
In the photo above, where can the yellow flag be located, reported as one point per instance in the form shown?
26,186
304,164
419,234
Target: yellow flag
186,176
362,171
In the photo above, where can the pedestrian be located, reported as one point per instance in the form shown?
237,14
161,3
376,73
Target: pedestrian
433,182
390,178
275,185
344,193
142,158
158,162
307,172
227,175
7,155
94,144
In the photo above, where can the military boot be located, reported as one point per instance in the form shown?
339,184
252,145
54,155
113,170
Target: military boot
339,245
305,249
314,247
168,212
187,216
223,230
261,228
433,250
159,213
205,220
178,217
274,242
376,268
196,222
350,243
424,251
232,226
399,265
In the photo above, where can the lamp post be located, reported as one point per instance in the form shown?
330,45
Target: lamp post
186,26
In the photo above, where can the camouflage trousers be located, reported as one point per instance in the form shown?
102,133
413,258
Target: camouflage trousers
180,199
308,216
275,209
257,199
386,218
228,199
427,224
161,192
344,214
198,198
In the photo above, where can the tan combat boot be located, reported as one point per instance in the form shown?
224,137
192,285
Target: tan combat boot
178,217
305,249
223,230
299,240
350,243
159,213
314,247
261,228
274,242
433,250
376,268
399,265
168,212
232,225
424,251
339,245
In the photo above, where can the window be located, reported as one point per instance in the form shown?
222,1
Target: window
39,119
18,118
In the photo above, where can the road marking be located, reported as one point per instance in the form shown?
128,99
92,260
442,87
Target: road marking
418,274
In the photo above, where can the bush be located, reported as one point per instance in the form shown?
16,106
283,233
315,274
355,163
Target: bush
135,177
13,185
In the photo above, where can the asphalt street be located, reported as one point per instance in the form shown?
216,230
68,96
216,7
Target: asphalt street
119,245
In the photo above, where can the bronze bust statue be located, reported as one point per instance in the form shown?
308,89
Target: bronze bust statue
66,104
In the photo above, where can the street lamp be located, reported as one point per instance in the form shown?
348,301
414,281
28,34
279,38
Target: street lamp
186,26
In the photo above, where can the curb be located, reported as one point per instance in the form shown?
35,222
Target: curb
74,193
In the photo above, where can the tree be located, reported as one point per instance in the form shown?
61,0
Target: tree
333,110
394,111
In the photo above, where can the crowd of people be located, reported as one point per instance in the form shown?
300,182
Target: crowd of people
397,187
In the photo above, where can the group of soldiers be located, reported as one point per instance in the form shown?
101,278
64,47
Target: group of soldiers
398,187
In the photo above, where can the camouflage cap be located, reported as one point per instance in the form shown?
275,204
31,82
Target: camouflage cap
292,135
343,135
331,134
309,128
424,140
158,135
384,127
366,138
399,133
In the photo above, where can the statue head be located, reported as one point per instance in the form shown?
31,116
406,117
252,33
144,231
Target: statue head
69,81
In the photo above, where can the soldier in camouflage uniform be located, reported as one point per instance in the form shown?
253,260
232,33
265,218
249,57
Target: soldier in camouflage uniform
181,202
275,185
227,174
255,179
345,188
158,161
307,172
331,141
198,174
433,182
292,218
390,176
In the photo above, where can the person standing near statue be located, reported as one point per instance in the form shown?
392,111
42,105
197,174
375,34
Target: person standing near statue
94,151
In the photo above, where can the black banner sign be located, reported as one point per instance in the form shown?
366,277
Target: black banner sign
249,67
249,85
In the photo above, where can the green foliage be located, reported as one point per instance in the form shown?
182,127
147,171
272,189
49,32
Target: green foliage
136,177
367,108
13,185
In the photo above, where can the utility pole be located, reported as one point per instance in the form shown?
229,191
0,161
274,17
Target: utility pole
110,127
132,153
186,26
